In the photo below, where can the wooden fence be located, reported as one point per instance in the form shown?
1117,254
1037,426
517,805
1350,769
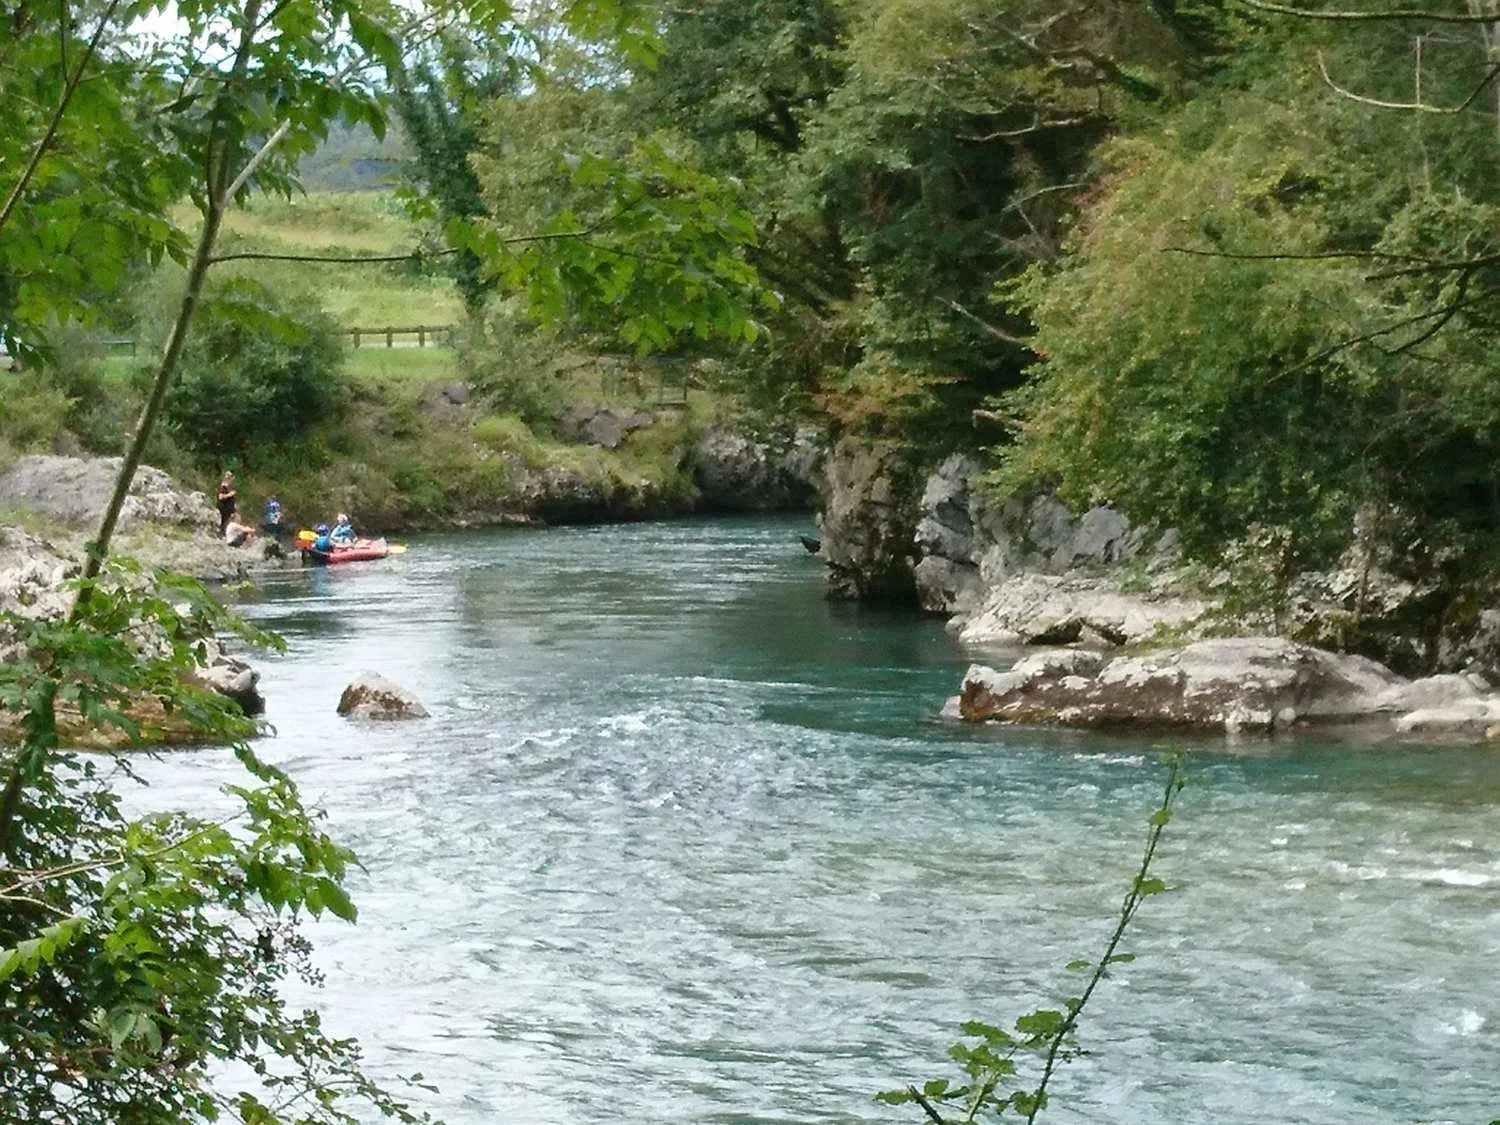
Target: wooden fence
420,336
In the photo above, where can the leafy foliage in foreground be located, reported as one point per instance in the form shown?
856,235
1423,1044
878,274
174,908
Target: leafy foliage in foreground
142,958
989,1058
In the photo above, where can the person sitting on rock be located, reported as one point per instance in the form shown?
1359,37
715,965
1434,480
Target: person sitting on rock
343,534
237,534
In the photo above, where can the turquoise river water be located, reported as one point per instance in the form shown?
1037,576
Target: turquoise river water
683,842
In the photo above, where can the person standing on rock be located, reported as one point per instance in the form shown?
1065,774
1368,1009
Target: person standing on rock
226,501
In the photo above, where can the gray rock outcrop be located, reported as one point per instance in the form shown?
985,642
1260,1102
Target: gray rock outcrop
947,575
1235,685
868,523
372,696
1044,609
1025,570
736,473
74,490
591,423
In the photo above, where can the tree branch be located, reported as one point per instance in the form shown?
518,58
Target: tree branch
998,333
1132,904
1037,126
410,255
1417,106
1396,16
1288,256
1437,265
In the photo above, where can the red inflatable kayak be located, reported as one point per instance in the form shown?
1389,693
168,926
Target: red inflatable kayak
361,551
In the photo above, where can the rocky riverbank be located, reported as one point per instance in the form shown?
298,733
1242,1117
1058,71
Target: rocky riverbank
1131,636
161,524
1234,685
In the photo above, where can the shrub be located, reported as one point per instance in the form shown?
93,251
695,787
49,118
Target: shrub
260,371
33,413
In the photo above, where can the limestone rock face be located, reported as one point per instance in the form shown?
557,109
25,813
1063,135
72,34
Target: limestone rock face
1238,684
947,576
31,570
374,697
868,523
735,473
75,490
1051,610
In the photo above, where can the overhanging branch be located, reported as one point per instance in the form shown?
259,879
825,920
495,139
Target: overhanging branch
1417,106
1398,15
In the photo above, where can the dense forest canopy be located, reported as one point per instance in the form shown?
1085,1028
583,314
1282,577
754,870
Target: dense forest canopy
1229,265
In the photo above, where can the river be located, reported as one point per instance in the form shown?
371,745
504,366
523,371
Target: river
684,842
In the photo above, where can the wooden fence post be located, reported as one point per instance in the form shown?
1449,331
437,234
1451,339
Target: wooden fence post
355,332
390,336
421,336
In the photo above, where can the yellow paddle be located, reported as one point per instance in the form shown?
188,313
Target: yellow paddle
396,548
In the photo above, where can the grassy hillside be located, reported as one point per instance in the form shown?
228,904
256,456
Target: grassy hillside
396,451
343,224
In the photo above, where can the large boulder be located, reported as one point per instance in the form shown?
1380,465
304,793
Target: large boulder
32,571
868,523
591,423
1047,609
736,473
233,679
1235,684
374,697
74,490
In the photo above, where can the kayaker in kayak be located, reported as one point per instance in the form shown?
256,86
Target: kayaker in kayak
343,534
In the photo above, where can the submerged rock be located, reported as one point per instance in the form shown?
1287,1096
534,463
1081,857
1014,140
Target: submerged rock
374,697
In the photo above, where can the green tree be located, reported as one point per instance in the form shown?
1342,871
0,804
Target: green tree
438,101
258,373
1260,330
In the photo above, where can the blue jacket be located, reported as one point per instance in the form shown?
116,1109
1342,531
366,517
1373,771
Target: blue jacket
323,544
344,533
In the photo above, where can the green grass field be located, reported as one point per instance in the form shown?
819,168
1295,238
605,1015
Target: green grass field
389,364
341,224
